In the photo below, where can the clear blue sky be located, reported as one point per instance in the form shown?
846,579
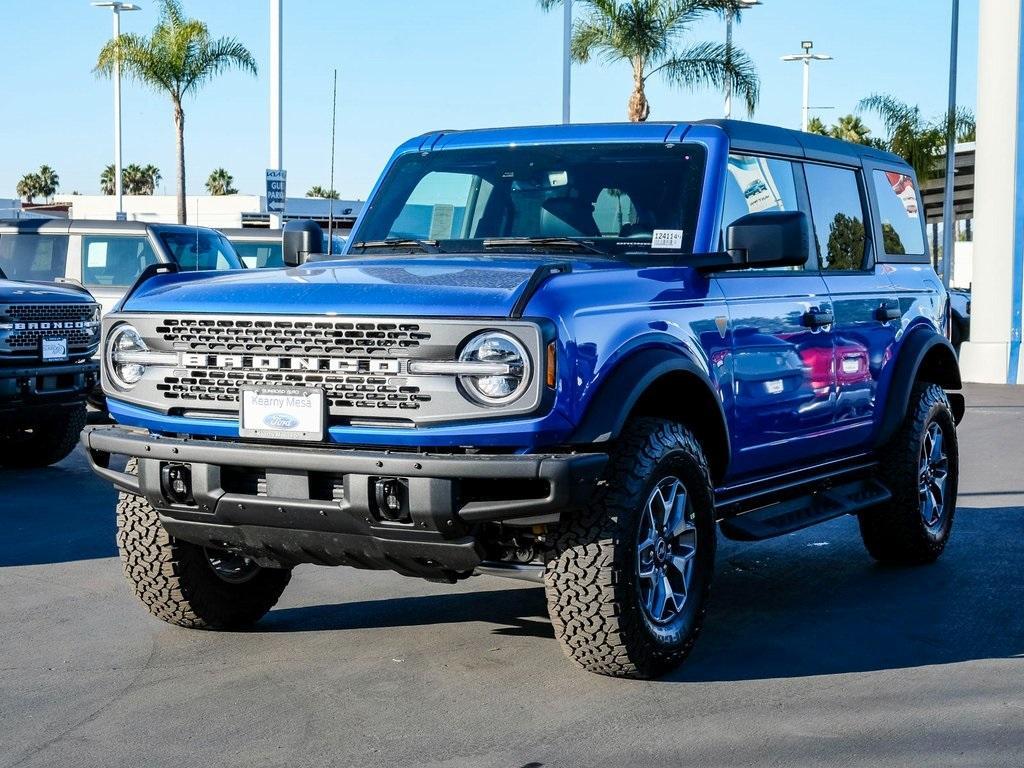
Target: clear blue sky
408,66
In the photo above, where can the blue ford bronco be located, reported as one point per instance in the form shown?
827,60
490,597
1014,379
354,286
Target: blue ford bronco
48,336
565,354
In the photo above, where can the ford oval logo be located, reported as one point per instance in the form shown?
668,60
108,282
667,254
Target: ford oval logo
280,421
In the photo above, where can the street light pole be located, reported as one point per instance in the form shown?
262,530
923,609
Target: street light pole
729,16
567,62
807,57
116,6
948,217
276,115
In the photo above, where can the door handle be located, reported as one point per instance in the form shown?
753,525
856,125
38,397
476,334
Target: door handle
816,318
885,314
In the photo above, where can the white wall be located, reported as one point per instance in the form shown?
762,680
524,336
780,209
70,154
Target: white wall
204,210
985,358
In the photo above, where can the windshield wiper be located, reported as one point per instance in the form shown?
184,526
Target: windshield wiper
569,243
429,246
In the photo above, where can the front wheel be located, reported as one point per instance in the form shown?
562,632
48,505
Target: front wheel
920,465
627,580
189,585
45,443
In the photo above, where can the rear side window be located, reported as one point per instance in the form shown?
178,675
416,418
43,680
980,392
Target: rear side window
40,258
899,214
837,210
109,260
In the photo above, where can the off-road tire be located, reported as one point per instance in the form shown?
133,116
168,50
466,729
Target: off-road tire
591,579
175,580
895,532
50,441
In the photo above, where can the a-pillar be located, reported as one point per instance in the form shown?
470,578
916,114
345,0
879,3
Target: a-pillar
993,353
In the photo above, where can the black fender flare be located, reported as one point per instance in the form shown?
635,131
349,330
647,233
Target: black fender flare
616,397
915,348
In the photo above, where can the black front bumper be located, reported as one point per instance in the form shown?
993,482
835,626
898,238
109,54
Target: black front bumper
37,386
284,504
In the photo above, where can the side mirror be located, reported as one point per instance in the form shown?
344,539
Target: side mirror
299,241
759,240
769,239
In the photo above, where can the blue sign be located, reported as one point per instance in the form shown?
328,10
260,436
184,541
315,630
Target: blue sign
276,190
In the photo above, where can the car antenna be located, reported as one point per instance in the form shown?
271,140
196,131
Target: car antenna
330,188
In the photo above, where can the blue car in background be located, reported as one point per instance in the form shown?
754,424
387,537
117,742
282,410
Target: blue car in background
570,354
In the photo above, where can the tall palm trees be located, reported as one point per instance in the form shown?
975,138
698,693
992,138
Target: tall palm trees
220,182
177,58
322,192
135,179
648,35
43,183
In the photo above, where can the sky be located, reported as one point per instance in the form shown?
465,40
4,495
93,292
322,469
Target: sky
406,67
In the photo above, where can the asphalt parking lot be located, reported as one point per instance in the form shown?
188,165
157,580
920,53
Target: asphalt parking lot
812,654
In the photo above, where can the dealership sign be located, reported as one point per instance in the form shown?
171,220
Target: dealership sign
275,190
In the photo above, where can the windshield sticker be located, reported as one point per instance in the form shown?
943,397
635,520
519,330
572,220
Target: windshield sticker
667,238
441,221
755,179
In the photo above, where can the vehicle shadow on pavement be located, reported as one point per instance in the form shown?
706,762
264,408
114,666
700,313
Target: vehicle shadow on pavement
55,515
520,611
813,603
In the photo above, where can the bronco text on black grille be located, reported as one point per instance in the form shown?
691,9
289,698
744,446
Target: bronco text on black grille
28,324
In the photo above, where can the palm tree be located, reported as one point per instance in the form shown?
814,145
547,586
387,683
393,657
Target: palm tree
916,140
49,181
150,178
850,128
28,187
177,58
648,35
133,179
220,183
107,180
327,194
815,125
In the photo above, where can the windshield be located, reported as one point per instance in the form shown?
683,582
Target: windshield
259,255
618,199
200,250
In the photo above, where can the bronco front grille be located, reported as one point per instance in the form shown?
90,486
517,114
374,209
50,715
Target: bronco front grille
34,322
275,337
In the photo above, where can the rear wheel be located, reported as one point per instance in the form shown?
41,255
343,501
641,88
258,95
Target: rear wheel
628,578
45,443
920,465
189,585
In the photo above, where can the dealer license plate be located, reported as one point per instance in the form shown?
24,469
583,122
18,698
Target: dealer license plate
55,348
282,413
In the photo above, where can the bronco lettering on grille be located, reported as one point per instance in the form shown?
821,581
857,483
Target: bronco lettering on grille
279,363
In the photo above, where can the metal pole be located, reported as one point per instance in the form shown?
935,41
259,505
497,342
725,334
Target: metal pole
330,215
567,63
728,58
948,220
276,115
807,94
118,190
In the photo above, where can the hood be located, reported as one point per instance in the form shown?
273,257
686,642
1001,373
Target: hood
16,292
464,286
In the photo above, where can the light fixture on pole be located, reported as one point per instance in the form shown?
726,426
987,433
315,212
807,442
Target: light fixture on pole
807,57
116,6
729,16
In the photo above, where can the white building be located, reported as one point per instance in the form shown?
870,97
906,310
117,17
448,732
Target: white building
221,211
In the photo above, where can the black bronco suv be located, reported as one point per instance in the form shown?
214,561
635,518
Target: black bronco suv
48,336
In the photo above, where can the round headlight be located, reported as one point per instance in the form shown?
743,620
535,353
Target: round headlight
125,343
501,350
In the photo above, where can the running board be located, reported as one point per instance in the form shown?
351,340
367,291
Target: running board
816,507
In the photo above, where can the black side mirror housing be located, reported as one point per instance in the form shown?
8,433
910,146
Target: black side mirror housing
760,240
300,240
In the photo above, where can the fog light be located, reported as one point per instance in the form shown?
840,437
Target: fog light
391,497
176,483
